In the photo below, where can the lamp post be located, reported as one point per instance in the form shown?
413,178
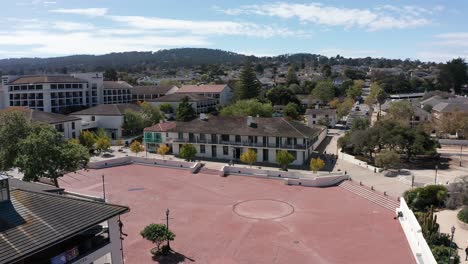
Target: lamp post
103,188
451,242
461,152
167,228
435,178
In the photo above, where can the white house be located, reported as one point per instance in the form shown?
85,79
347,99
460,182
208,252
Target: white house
200,103
107,116
223,93
226,138
69,125
150,92
318,115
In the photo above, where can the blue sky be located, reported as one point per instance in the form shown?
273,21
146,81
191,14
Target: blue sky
433,30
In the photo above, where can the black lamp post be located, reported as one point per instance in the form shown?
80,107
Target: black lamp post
451,242
435,179
167,228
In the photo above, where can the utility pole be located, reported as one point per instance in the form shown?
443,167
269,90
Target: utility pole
435,179
103,188
167,228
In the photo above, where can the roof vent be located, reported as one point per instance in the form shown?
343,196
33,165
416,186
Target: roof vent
203,116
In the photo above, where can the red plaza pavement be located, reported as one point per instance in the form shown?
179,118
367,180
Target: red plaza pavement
246,220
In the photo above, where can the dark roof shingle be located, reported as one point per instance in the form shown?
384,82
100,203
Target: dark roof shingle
46,79
108,109
40,116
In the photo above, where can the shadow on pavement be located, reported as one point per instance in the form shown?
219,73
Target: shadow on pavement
172,257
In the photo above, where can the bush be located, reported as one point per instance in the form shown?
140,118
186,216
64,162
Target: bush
458,193
422,198
463,215
442,254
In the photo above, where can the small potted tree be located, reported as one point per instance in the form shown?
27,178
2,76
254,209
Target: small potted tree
157,234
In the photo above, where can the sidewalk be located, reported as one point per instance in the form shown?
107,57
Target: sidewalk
446,220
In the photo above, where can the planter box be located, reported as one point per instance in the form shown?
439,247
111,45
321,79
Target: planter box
462,225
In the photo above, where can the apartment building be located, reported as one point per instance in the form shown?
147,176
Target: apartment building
223,93
149,92
41,224
321,115
119,92
69,125
200,103
226,138
53,93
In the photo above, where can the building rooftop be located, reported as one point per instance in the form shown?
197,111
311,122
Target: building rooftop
116,85
177,97
151,89
264,126
448,107
202,88
320,111
108,110
40,116
45,79
32,221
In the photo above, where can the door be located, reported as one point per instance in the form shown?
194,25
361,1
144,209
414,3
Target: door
265,155
238,152
213,151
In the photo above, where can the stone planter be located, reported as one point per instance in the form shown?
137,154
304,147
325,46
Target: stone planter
462,225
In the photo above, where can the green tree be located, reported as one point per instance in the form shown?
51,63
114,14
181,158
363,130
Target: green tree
284,158
324,90
355,74
136,147
157,234
249,157
163,149
360,124
13,127
134,122
87,139
453,75
248,86
281,96
111,75
151,114
386,158
345,107
103,144
252,107
166,108
421,199
188,152
259,68
400,111
291,110
291,77
46,153
355,90
316,164
326,71
185,111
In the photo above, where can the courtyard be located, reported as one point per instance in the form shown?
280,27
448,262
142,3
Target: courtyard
245,220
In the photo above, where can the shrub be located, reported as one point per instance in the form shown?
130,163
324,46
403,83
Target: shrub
422,198
442,254
458,193
463,215
157,233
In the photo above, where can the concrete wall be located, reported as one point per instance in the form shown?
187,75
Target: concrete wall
421,251
192,166
352,159
321,137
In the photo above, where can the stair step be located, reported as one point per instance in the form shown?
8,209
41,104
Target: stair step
371,196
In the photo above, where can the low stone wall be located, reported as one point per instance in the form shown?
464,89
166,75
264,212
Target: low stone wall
352,159
192,166
421,251
290,177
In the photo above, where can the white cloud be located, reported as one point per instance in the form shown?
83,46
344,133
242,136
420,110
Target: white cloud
72,26
82,11
205,27
384,17
445,47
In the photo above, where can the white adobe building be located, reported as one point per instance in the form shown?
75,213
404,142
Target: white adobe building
223,93
226,138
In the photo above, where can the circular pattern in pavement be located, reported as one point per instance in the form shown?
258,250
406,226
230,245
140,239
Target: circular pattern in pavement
263,209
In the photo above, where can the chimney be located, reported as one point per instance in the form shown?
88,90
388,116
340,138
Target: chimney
317,106
4,188
249,121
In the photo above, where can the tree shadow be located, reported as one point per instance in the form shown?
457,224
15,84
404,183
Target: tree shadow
172,257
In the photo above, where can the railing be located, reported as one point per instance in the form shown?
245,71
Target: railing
242,143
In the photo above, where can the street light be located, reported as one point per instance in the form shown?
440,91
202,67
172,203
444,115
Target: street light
451,242
461,151
167,228
435,179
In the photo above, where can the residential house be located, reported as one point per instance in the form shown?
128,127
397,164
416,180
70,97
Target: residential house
150,92
200,103
69,125
226,138
419,114
107,116
38,224
321,116
223,93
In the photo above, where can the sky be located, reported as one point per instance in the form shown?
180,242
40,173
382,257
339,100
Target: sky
429,30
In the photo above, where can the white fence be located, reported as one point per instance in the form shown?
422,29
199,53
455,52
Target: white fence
192,166
421,251
290,177
352,159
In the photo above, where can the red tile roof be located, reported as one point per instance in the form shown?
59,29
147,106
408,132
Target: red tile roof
203,88
161,127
